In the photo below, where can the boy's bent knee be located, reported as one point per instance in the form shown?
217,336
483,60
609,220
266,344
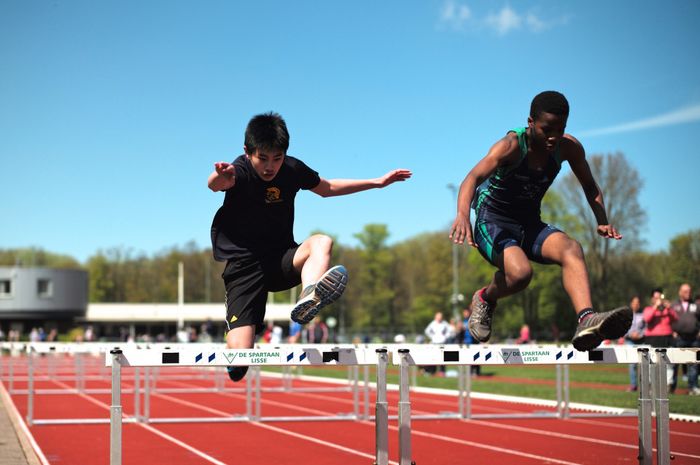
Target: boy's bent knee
321,241
572,250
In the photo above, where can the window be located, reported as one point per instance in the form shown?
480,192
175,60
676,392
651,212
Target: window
44,288
5,288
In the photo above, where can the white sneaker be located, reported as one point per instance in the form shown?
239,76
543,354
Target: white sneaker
327,290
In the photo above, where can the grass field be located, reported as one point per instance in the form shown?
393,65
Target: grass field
599,384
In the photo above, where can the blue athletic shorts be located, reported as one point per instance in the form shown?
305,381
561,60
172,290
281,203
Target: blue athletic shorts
493,233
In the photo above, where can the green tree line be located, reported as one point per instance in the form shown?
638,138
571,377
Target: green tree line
398,287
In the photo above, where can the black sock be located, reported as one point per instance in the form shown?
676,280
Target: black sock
583,314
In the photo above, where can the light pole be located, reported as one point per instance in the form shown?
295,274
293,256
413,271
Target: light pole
456,297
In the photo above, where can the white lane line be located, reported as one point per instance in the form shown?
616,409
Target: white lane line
568,436
540,458
628,427
272,428
175,441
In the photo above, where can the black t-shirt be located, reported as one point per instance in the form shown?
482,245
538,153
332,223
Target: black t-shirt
257,216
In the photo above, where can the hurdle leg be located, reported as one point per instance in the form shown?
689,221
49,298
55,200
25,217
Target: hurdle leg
30,387
146,394
405,453
115,410
381,412
663,447
366,392
567,397
137,397
644,408
560,406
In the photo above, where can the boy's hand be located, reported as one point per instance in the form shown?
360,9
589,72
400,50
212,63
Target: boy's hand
461,231
225,176
225,169
393,176
608,231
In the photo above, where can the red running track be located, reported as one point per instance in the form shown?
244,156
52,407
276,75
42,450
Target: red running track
599,441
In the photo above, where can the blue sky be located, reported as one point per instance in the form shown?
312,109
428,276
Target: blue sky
112,113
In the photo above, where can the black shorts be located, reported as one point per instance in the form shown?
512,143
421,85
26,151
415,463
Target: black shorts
493,233
248,280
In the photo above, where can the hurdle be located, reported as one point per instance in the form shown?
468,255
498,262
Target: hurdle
652,376
297,355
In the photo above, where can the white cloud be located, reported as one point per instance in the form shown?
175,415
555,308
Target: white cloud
504,21
688,114
458,16
454,14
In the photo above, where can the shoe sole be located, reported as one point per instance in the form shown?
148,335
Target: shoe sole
478,337
327,290
237,373
614,326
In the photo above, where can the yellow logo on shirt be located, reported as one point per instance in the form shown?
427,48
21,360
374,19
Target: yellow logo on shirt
233,318
272,195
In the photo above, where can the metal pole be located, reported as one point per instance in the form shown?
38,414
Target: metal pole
366,392
11,370
356,391
644,406
560,410
404,411
663,446
137,396
115,411
146,394
30,388
381,411
249,395
567,397
460,390
258,392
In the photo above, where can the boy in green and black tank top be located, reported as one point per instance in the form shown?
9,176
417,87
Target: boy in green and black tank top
508,231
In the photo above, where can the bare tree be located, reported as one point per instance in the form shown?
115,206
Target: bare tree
621,184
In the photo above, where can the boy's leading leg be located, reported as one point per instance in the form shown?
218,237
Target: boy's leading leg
241,337
321,285
592,327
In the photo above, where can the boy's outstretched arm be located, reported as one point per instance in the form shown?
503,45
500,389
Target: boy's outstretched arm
333,187
223,177
577,160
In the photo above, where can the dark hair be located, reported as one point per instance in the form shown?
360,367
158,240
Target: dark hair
266,131
549,101
655,290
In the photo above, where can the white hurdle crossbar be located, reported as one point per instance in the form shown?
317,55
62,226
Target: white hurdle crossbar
296,355
652,368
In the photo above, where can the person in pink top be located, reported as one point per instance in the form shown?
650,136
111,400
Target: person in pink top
659,316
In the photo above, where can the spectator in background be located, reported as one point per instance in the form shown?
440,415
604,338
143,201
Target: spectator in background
438,332
685,330
468,339
658,317
294,332
635,336
316,332
524,337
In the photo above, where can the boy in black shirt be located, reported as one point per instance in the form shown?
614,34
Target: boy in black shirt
253,232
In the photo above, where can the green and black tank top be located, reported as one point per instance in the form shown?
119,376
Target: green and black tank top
516,191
